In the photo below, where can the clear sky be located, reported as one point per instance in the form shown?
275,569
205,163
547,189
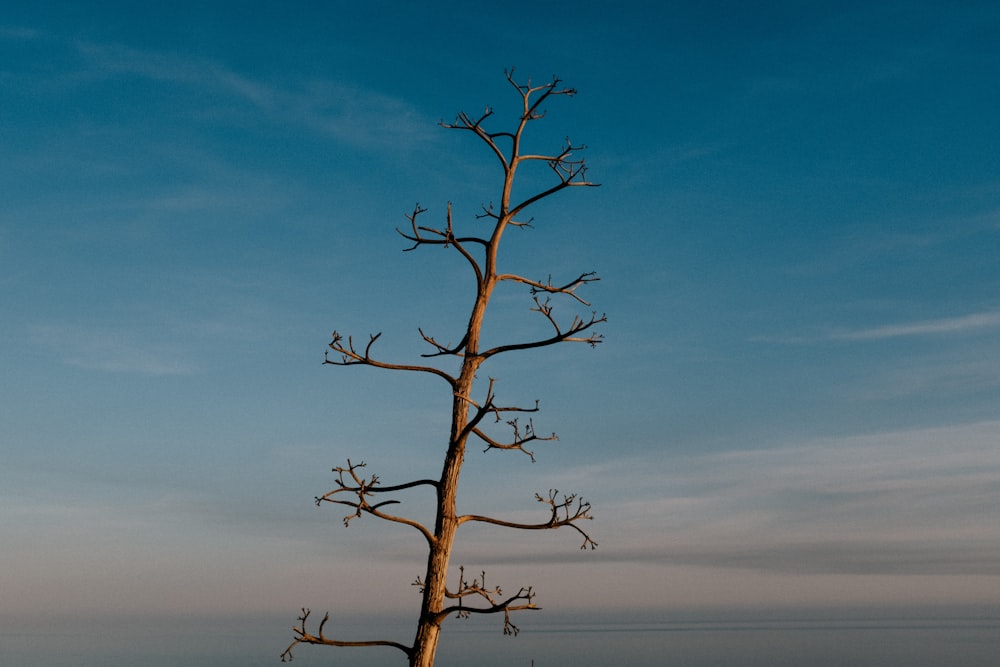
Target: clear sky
798,234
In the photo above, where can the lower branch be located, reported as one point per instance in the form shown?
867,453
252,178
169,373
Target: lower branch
363,488
304,637
523,599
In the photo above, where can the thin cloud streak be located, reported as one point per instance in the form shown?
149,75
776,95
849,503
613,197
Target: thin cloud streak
947,325
927,327
861,558
902,503
344,112
977,371
19,34
112,351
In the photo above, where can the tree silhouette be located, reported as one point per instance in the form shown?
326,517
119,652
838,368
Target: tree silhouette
366,494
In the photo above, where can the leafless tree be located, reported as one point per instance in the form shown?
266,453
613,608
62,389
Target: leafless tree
366,494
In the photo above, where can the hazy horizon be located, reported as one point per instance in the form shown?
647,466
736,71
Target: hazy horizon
925,637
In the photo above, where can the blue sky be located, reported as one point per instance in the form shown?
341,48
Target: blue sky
797,232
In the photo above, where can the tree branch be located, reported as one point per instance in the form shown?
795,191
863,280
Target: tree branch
567,170
490,407
477,588
443,350
363,488
464,122
519,441
526,91
302,636
565,512
578,325
350,356
538,287
444,238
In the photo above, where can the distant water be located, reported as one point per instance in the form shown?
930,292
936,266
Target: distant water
971,641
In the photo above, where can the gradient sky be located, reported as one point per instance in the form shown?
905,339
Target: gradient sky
798,233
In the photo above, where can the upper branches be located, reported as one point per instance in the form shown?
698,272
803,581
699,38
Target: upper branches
569,169
531,96
480,250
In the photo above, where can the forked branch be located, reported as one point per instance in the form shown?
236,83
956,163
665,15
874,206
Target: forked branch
443,350
489,407
568,511
464,121
477,588
302,636
351,356
363,488
538,287
527,90
568,335
571,173
424,235
519,440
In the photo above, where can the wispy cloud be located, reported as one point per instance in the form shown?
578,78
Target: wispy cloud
18,33
947,325
959,373
113,351
341,110
907,502
962,324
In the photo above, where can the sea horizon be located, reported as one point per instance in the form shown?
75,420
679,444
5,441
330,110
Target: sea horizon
915,637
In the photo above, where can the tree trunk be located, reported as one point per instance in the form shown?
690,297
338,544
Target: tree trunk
436,578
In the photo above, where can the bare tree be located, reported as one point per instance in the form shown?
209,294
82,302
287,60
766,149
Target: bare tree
366,495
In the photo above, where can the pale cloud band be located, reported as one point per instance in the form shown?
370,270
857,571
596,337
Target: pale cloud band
963,324
966,323
916,502
346,112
